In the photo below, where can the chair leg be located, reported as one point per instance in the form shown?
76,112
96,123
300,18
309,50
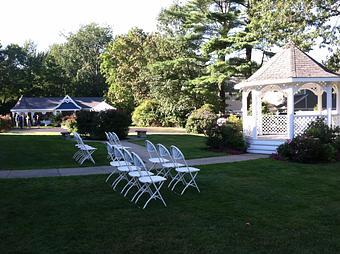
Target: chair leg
179,179
192,183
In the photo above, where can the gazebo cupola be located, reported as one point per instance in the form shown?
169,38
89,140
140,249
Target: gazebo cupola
286,73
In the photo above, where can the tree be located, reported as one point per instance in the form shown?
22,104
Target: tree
333,62
122,64
171,68
227,31
80,59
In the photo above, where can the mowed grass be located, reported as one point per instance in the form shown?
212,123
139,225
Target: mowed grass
261,206
43,151
192,146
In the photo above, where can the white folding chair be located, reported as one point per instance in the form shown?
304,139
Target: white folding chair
185,174
122,168
134,175
149,183
117,159
114,140
167,166
85,151
154,157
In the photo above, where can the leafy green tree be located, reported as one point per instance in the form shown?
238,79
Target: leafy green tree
79,57
170,72
122,64
13,75
333,62
227,31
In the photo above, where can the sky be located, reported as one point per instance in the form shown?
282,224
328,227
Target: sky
44,21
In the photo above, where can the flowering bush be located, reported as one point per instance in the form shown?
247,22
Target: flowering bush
5,123
70,123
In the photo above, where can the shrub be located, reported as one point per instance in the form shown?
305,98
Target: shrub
319,129
227,136
307,149
95,124
5,123
56,120
319,143
200,120
146,114
112,120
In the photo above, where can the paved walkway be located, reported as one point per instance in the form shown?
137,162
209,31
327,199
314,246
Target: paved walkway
107,169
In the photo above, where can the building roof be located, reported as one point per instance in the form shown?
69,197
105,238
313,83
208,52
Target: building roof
59,103
290,65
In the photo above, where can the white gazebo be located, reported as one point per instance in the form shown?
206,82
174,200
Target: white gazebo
287,73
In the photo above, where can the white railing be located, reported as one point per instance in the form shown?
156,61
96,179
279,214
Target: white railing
301,122
273,125
278,124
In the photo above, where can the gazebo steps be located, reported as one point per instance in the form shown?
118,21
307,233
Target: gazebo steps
263,146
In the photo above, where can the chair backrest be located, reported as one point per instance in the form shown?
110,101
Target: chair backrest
164,152
137,161
110,151
118,155
78,138
115,138
151,149
177,155
127,156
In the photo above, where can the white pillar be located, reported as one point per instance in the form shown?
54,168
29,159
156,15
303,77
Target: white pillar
338,100
244,103
320,102
328,90
259,113
244,111
254,104
290,112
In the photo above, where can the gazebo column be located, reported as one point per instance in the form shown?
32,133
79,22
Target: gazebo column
259,114
254,104
290,112
338,100
328,90
244,109
319,102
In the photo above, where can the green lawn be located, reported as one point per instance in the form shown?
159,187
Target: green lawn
191,145
44,151
261,206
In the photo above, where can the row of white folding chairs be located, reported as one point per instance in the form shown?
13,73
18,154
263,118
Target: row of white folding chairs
84,151
131,169
164,162
114,140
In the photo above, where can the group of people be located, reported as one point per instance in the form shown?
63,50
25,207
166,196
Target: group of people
21,120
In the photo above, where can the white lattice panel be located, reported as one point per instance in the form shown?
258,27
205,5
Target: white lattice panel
301,122
336,120
274,125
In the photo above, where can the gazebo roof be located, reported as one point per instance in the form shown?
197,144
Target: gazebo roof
290,65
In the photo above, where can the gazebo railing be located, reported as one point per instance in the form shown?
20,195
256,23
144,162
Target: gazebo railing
301,122
272,125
